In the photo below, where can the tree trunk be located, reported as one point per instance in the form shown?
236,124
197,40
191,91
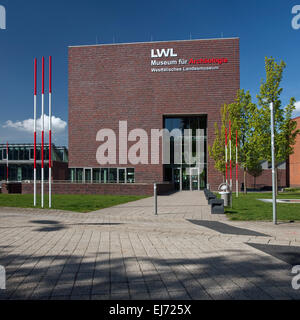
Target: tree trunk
245,182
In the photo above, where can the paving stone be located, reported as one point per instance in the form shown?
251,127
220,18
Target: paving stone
126,252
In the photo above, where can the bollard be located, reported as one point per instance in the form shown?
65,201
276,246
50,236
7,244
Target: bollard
155,199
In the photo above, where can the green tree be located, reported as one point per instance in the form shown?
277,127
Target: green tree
285,127
240,113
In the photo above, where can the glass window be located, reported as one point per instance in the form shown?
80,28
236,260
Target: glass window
38,154
4,154
121,173
104,175
46,153
88,175
79,175
73,175
10,154
1,158
21,154
26,154
113,175
15,154
96,175
130,175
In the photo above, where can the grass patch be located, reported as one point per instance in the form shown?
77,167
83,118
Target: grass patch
77,203
248,207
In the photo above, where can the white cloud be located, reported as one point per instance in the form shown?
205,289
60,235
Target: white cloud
22,131
297,105
58,125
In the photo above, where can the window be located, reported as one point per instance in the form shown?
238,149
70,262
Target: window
113,175
104,175
87,175
121,175
79,175
130,175
96,176
26,154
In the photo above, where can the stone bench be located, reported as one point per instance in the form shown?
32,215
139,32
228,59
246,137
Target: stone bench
217,206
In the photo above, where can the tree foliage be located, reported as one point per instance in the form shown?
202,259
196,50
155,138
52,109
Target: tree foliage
240,113
284,127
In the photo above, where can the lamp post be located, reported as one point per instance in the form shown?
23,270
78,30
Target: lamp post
273,164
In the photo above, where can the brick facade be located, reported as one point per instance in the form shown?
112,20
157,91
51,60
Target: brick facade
294,161
89,188
109,83
263,181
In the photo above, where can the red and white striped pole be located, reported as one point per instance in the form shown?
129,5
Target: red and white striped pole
34,131
7,162
50,131
43,130
230,155
237,167
226,156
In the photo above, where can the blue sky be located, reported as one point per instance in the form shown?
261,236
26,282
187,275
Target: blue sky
36,28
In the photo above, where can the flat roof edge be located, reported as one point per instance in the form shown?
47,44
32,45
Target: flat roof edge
144,42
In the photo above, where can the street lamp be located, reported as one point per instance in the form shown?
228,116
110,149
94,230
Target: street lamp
273,164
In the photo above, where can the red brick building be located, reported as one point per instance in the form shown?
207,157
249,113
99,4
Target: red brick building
294,161
152,85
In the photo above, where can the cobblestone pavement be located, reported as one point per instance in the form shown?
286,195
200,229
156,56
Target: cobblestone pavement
126,252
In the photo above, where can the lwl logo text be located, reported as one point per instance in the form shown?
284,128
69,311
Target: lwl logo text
2,18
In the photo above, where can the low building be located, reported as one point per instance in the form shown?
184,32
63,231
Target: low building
21,162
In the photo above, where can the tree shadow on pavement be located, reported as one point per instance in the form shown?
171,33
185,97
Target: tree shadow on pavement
99,275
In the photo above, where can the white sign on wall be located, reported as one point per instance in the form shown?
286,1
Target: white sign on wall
163,60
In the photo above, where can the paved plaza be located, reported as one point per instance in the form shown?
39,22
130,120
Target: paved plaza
126,252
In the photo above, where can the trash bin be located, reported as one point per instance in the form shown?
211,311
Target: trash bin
225,195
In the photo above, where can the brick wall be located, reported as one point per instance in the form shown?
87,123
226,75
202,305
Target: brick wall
60,171
108,83
294,161
120,189
11,188
263,181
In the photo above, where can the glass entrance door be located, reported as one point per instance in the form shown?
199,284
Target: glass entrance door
188,178
195,185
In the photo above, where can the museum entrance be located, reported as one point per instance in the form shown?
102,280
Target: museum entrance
188,179
188,152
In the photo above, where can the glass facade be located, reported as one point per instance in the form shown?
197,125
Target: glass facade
187,175
21,158
18,173
26,153
102,175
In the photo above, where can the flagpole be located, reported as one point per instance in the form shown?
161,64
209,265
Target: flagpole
34,131
43,129
50,131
